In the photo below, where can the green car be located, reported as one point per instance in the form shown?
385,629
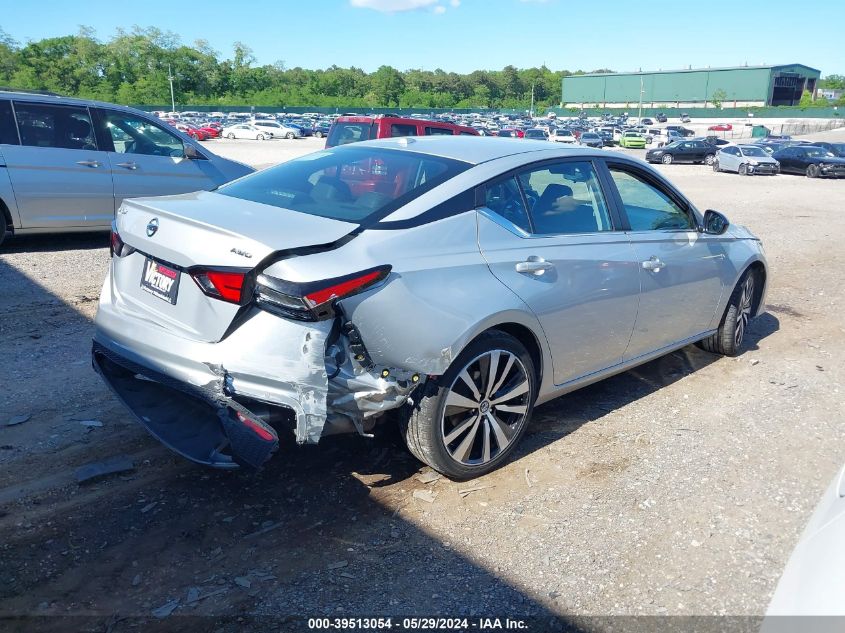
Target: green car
632,140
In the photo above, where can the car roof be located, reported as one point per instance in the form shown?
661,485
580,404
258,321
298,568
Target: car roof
37,97
474,149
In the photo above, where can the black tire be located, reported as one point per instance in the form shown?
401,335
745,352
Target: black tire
812,171
729,337
318,134
667,159
743,170
289,135
424,424
259,137
230,135
716,166
708,160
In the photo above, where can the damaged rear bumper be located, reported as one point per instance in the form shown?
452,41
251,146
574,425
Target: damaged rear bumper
209,401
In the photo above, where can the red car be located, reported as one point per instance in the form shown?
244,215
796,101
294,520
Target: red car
212,132
191,130
721,127
352,128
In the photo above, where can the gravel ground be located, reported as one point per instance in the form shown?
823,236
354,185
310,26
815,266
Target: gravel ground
680,487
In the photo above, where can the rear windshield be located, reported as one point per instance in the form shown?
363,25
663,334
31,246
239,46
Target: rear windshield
350,184
343,133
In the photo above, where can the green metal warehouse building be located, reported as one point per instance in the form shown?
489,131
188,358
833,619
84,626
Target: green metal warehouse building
740,86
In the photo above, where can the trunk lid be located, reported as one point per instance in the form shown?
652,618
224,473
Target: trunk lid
207,230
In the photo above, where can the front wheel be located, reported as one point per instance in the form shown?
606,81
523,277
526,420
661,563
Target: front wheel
708,160
729,337
260,137
289,135
743,170
667,159
812,171
468,421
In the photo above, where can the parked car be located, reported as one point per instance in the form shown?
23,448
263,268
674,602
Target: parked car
810,161
69,163
512,133
633,140
606,135
746,160
647,121
591,139
680,129
684,118
536,134
246,130
713,140
322,129
351,129
661,117
668,136
297,297
209,131
191,130
277,130
721,127
837,149
811,584
683,152
561,135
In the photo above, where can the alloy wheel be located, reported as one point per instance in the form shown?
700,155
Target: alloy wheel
486,406
746,300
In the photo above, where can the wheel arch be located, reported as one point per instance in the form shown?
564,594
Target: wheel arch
524,335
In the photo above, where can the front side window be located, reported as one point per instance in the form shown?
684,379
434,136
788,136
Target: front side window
565,198
347,184
8,131
134,135
66,127
648,208
505,199
433,131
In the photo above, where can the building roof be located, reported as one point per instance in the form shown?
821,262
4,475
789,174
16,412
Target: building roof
695,70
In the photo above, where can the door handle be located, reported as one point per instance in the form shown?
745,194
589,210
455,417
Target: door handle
129,165
88,163
534,265
653,264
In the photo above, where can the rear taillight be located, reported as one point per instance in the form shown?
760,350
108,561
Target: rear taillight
117,246
313,301
223,284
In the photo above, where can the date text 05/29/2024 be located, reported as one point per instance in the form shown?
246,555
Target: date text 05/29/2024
418,624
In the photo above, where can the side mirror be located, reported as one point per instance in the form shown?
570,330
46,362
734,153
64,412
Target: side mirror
715,223
192,153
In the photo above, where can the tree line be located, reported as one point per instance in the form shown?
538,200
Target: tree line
134,67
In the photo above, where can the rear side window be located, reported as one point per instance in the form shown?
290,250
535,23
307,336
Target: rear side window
403,129
8,131
565,198
349,184
648,208
433,131
343,133
66,127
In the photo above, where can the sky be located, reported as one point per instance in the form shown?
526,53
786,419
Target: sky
467,35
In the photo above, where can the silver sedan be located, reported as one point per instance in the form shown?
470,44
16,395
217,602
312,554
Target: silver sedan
745,160
455,281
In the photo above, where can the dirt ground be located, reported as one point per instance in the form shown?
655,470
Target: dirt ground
678,488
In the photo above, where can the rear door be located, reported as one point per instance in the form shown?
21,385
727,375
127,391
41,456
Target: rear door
548,235
148,160
61,178
680,269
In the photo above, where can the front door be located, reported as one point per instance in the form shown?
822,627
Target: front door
148,160
546,234
60,177
680,269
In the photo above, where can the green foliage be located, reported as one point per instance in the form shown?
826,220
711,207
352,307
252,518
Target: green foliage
134,65
806,99
718,97
834,82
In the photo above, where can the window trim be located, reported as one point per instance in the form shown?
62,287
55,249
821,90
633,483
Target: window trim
57,105
659,184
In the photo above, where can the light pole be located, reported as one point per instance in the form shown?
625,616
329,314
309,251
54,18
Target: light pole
640,108
172,98
531,111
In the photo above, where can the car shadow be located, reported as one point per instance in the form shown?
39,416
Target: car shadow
55,242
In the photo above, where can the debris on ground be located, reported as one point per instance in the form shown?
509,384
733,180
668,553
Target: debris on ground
166,609
467,491
110,466
91,423
338,565
19,419
425,495
428,477
149,507
528,477
243,581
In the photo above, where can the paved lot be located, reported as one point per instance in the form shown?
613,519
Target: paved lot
677,488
